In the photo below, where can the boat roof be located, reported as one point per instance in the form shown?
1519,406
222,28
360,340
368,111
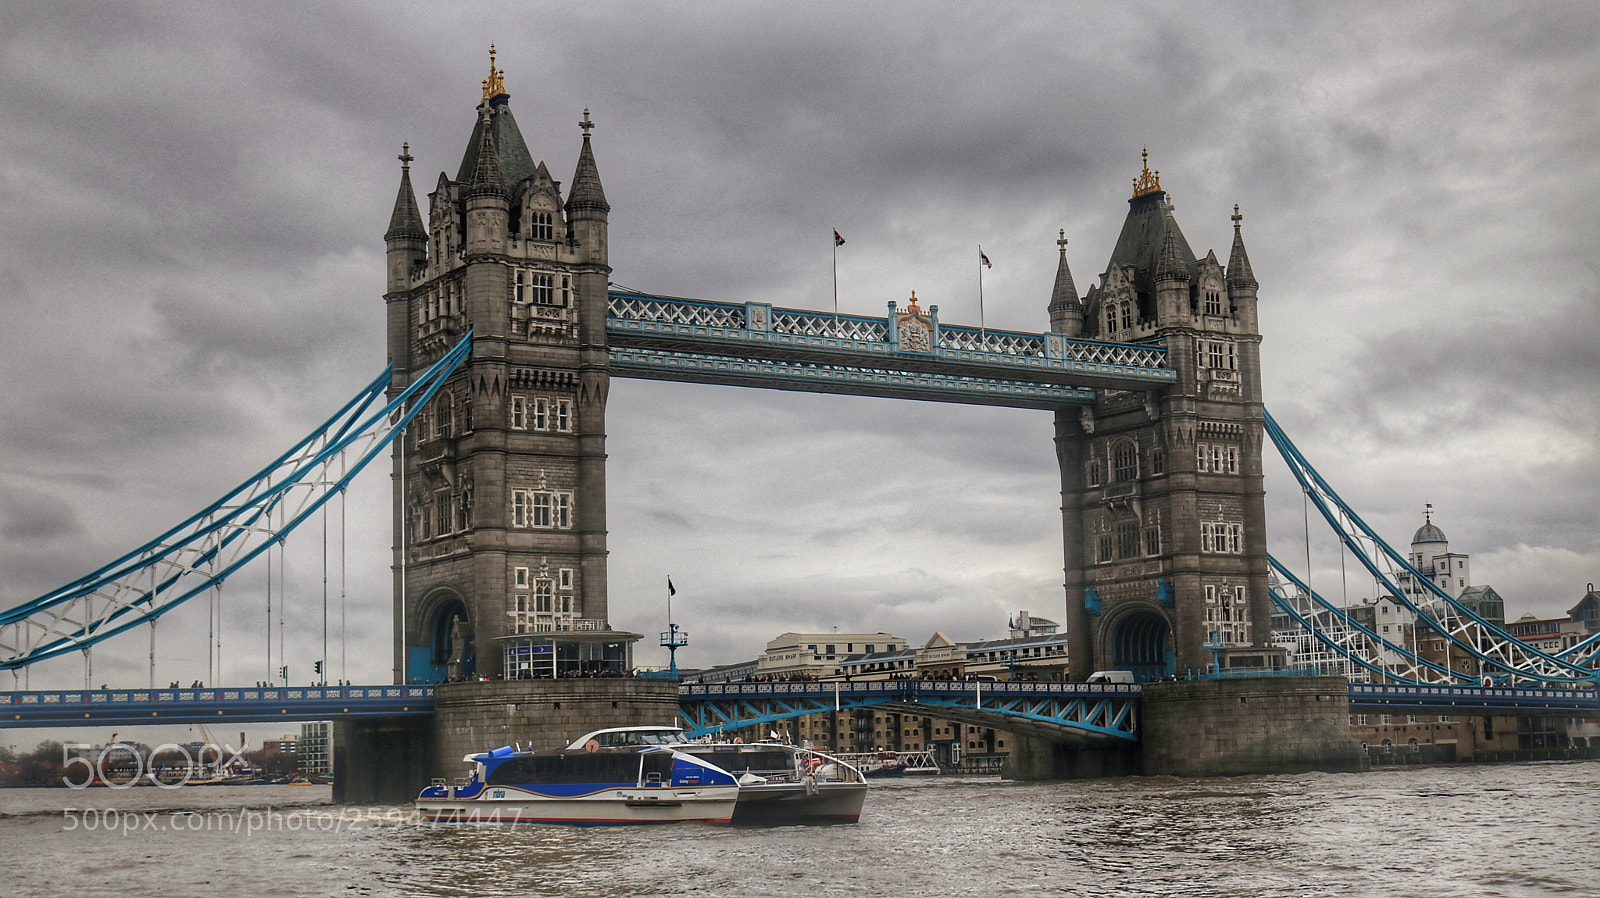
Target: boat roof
639,730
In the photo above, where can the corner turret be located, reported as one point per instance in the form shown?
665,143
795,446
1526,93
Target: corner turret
407,238
1241,280
587,210
1066,308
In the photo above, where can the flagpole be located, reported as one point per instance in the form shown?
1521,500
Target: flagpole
982,331
836,282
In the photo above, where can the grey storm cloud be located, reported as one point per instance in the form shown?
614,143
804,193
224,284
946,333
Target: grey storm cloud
192,269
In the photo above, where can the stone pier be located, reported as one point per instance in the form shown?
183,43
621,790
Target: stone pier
389,761
1258,725
1247,726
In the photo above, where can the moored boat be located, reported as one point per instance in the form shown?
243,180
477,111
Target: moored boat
587,785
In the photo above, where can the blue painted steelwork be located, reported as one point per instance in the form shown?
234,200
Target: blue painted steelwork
1075,711
1499,653
840,379
1436,698
181,706
204,550
754,344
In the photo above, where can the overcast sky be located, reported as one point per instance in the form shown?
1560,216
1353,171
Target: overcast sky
194,198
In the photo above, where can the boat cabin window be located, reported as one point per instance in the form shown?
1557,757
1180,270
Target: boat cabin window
581,767
736,761
625,739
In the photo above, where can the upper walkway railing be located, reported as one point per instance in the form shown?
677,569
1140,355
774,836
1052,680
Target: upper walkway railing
907,353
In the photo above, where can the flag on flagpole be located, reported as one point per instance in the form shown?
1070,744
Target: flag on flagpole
837,240
670,590
984,259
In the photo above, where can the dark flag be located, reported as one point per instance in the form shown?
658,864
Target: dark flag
837,240
670,590
984,259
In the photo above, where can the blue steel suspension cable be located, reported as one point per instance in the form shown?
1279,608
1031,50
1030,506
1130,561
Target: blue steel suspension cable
341,431
1307,475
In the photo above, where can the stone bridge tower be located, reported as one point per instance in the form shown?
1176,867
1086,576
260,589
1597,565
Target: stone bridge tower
1164,522
499,484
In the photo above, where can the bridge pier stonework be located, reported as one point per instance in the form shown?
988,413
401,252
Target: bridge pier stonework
1253,725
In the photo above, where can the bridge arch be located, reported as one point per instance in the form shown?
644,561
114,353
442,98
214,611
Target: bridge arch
1138,638
448,647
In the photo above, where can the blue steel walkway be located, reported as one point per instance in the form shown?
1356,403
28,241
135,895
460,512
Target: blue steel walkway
1065,711
182,706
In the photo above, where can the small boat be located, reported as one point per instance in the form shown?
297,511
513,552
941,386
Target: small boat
586,785
779,783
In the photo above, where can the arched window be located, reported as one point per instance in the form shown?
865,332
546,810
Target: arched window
1124,462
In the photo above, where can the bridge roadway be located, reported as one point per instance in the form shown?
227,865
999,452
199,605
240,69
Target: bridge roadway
1071,712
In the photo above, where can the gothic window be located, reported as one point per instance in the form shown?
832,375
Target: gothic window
521,578
1158,462
444,509
1217,354
1124,462
564,415
1104,549
541,413
1230,460
519,413
1128,539
564,578
541,509
543,227
535,287
1127,315
543,596
1201,453
1094,472
1152,541
1213,302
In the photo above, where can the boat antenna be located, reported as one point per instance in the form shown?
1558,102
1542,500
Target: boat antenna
673,639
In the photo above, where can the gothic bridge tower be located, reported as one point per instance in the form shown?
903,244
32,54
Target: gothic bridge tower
499,484
1164,522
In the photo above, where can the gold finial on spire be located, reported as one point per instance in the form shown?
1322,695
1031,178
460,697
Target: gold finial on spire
495,84
913,309
1148,181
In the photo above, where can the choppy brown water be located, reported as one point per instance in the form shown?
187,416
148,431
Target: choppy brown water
1439,832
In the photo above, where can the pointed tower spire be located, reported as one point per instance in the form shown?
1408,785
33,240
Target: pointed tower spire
587,196
1066,307
1172,265
406,221
1239,273
486,175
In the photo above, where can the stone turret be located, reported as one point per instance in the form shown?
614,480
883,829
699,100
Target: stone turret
1241,280
1066,308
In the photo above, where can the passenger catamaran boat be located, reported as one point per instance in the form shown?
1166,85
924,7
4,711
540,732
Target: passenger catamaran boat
585,784
778,783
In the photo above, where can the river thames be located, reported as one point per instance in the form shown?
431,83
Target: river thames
1512,830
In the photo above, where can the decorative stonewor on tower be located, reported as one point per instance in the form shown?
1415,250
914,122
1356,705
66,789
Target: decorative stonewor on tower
1164,523
499,485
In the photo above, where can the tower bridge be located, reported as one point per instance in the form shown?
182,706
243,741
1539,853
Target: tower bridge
504,332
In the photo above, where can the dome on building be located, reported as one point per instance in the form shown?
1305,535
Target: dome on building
1428,533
